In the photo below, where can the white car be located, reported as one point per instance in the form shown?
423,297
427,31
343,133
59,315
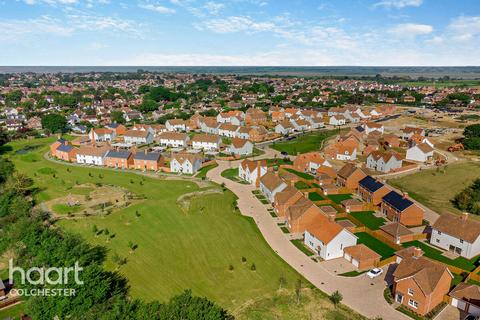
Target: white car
375,272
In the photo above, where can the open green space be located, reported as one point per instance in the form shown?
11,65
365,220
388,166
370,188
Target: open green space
304,143
12,313
442,84
435,188
314,196
178,247
202,173
376,245
436,254
61,208
368,219
338,198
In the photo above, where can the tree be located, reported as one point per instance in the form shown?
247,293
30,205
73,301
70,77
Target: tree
148,105
117,116
336,298
6,169
54,123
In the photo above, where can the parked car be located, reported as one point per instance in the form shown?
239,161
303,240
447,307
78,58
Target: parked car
375,272
284,153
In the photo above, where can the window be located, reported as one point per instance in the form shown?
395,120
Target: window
461,241
438,240
410,291
439,232
413,303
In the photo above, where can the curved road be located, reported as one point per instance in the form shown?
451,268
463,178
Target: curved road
360,293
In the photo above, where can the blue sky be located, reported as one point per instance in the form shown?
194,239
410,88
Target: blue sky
240,32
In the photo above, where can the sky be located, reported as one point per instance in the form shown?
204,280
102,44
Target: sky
240,32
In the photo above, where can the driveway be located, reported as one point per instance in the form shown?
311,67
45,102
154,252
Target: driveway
359,293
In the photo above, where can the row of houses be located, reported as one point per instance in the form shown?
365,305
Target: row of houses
106,156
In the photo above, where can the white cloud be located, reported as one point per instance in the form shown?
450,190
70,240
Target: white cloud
156,8
398,4
102,23
411,29
14,29
464,28
235,24
213,8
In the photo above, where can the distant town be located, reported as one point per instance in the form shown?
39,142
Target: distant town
368,188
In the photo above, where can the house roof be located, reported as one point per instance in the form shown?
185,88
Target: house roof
118,154
148,156
360,129
173,136
351,202
396,229
93,150
458,226
328,210
467,292
205,137
424,147
409,252
137,133
287,194
271,181
347,170
426,273
65,148
297,209
324,229
252,165
397,201
238,142
361,252
183,157
370,184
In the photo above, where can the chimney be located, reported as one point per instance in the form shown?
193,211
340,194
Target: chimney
331,217
292,183
417,252
276,173
464,216
405,195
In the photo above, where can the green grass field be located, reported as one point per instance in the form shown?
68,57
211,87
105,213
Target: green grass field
368,219
435,188
301,246
300,174
338,198
376,245
436,254
314,196
442,84
305,143
203,172
177,249
12,313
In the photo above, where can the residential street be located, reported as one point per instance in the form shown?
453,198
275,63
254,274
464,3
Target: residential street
360,293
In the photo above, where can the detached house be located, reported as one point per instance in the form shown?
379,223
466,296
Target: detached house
408,132
176,125
173,139
252,171
398,208
420,284
337,120
138,137
185,163
284,127
240,147
328,239
384,161
466,297
301,215
64,151
349,176
421,152
284,199
457,234
373,126
102,134
208,142
309,162
270,184
372,190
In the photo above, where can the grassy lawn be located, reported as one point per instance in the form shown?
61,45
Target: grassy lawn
300,245
338,198
301,185
300,174
13,313
353,273
278,161
305,143
313,305
436,189
376,245
368,219
61,208
203,172
436,254
230,173
177,249
314,196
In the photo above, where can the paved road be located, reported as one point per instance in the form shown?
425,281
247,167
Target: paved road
360,293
